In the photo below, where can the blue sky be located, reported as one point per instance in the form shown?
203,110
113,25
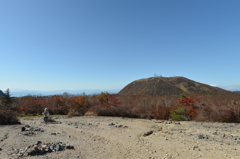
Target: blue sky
106,44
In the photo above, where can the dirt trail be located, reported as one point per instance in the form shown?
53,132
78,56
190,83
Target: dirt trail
125,138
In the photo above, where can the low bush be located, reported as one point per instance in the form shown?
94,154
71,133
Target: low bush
161,112
8,117
178,113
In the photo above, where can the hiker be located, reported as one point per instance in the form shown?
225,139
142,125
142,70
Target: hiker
46,115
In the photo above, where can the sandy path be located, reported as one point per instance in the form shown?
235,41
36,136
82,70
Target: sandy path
124,138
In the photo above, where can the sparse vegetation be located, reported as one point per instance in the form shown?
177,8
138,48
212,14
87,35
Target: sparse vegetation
199,107
196,107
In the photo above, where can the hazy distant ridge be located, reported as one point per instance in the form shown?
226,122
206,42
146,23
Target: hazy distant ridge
21,92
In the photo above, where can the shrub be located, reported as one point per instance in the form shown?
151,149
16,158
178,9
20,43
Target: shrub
161,112
78,105
8,117
178,113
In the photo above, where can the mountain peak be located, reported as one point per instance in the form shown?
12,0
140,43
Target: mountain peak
168,86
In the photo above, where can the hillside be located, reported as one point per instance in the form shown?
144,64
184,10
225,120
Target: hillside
1,93
168,86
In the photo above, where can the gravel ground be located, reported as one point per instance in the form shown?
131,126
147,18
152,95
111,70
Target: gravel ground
120,138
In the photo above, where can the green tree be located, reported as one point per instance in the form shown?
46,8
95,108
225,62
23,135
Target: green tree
7,99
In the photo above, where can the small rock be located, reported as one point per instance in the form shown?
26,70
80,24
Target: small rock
215,133
57,148
120,126
53,134
111,124
148,133
31,151
27,129
51,147
37,129
194,147
69,147
23,128
200,136
168,122
38,142
237,142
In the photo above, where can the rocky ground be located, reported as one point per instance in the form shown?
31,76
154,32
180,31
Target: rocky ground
118,138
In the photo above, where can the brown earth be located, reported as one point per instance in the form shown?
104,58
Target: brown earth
125,138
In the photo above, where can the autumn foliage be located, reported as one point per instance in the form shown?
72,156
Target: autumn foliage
217,108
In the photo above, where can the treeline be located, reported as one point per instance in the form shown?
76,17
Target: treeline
215,108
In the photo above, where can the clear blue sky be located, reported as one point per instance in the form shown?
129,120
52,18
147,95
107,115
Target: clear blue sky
106,44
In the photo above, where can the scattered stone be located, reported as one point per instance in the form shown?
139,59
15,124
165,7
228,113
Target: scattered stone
200,136
194,147
23,128
37,129
40,148
147,133
69,147
28,128
0,149
38,142
215,133
120,126
28,133
111,124
168,122
237,142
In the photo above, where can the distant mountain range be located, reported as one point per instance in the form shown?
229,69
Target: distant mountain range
232,88
169,86
21,92
147,86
